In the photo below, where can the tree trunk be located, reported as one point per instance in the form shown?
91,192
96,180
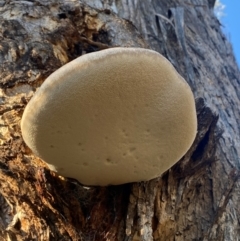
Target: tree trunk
197,199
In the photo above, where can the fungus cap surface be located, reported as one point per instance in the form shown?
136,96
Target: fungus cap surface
111,117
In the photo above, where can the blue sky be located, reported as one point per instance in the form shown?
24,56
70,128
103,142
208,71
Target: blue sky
230,18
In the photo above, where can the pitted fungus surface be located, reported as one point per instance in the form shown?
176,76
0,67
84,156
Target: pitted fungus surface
111,117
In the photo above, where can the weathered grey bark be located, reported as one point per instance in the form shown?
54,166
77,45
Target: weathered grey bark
196,200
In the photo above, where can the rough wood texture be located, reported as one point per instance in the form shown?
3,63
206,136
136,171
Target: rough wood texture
196,200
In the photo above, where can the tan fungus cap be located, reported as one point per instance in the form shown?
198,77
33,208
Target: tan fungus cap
110,117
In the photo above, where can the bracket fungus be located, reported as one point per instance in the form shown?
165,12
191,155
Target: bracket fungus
111,117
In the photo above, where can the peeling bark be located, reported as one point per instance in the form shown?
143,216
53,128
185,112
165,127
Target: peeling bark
197,199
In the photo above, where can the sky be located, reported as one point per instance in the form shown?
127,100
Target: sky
228,12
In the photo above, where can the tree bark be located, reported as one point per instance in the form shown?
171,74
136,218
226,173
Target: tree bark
197,199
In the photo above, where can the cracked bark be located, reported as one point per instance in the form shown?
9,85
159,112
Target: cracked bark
197,199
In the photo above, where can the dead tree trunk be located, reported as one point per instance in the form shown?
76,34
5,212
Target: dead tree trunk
196,200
